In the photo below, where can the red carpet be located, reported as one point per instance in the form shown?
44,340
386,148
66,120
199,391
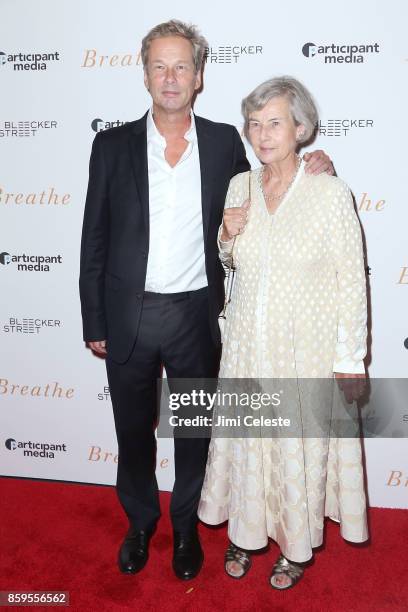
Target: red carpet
65,537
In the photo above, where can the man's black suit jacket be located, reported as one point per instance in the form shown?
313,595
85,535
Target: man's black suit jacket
115,235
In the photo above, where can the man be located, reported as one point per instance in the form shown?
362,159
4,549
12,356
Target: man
151,282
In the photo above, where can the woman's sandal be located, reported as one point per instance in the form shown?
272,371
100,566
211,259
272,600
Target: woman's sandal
294,571
233,553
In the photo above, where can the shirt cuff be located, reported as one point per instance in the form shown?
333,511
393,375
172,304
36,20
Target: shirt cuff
346,366
224,246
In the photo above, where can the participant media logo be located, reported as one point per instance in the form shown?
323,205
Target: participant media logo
31,263
28,61
15,325
231,54
28,448
100,125
340,54
25,129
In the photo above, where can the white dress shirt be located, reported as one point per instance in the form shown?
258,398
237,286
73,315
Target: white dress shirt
176,259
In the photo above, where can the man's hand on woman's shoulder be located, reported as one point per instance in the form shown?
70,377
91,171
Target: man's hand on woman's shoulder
318,162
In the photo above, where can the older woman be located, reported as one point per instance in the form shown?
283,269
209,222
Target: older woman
298,311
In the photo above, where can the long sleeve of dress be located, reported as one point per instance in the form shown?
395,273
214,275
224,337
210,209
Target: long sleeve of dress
225,248
347,249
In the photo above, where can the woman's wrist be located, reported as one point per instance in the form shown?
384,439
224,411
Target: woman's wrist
225,237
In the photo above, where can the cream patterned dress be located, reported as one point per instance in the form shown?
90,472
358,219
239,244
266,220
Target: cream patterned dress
298,311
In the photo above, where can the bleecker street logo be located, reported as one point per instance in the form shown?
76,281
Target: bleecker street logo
14,325
31,263
28,61
35,449
25,129
339,54
230,54
342,127
99,125
105,395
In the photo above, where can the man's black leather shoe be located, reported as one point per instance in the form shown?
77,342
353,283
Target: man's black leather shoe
134,552
188,555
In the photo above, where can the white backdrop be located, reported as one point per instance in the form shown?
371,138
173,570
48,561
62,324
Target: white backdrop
88,75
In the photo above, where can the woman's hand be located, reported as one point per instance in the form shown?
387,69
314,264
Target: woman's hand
234,221
352,385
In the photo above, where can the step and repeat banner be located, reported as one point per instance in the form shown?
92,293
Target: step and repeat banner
72,68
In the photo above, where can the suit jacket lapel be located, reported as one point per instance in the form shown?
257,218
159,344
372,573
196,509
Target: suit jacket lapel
206,155
138,151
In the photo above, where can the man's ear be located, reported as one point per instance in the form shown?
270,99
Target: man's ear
198,81
145,79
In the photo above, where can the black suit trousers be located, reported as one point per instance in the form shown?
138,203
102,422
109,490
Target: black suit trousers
174,332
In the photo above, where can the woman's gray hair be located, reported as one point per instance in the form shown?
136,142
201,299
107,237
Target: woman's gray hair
174,27
301,103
